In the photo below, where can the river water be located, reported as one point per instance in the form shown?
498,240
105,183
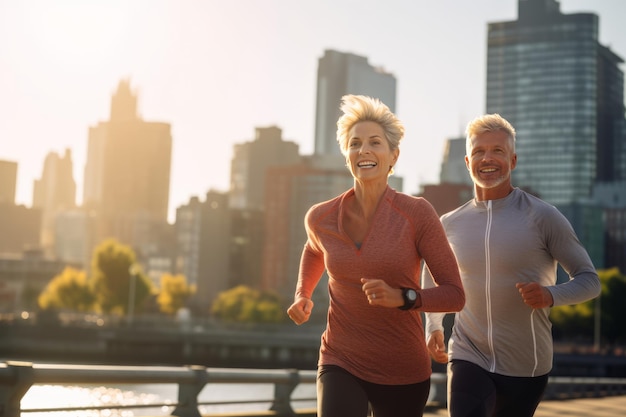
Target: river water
60,396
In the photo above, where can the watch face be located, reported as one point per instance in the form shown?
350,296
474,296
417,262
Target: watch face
411,295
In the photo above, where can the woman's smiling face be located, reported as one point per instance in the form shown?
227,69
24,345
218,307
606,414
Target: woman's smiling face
369,154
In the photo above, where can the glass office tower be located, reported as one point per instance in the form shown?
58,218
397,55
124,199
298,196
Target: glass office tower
563,92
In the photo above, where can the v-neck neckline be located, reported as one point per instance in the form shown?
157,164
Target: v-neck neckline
342,214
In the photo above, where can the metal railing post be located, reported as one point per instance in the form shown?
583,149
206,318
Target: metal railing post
438,390
20,380
188,393
282,395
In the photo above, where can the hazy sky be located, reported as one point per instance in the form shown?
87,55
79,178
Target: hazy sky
216,70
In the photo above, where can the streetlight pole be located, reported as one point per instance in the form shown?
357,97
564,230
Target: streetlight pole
133,271
597,322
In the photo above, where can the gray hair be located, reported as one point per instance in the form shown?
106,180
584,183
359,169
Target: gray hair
489,123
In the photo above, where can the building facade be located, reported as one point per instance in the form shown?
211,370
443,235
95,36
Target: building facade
19,227
339,74
250,163
54,193
8,181
292,191
611,196
127,176
453,167
203,242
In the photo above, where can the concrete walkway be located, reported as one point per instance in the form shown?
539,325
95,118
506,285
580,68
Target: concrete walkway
582,407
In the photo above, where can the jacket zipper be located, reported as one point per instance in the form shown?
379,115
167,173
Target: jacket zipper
492,366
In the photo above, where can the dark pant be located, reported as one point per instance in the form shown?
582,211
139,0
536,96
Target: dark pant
341,394
474,392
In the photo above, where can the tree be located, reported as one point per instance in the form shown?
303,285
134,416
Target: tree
174,293
612,305
573,321
68,290
246,305
115,278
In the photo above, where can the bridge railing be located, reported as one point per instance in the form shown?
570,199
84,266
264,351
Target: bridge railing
16,378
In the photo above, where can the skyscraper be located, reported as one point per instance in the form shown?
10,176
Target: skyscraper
203,232
53,193
338,74
563,91
292,191
8,181
127,174
250,163
453,168
19,225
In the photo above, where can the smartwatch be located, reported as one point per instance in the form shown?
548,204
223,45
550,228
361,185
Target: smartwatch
410,296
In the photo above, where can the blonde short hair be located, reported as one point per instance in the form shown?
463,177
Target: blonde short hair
357,108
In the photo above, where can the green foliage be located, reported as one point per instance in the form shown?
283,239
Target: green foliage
109,288
612,304
572,321
112,279
246,305
174,293
68,290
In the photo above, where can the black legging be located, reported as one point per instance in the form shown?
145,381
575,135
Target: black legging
474,392
341,394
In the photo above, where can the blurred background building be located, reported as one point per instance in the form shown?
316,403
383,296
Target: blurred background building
127,179
338,74
54,193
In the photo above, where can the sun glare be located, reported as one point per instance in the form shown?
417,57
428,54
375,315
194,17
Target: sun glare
68,36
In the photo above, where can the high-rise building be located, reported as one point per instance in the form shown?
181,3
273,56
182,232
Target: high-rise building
563,91
54,193
24,275
127,175
339,74
56,188
74,236
453,167
611,197
290,193
203,235
8,181
19,228
246,251
250,163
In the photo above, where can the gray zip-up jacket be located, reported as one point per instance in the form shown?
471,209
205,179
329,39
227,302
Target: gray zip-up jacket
499,243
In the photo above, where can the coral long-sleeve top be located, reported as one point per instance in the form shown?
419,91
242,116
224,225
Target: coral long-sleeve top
379,344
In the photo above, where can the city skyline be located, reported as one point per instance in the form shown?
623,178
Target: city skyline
216,78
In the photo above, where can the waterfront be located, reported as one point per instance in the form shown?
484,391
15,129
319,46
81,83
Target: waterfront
49,395
100,390
61,396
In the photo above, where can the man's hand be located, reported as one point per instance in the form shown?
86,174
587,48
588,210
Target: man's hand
300,310
436,347
535,295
